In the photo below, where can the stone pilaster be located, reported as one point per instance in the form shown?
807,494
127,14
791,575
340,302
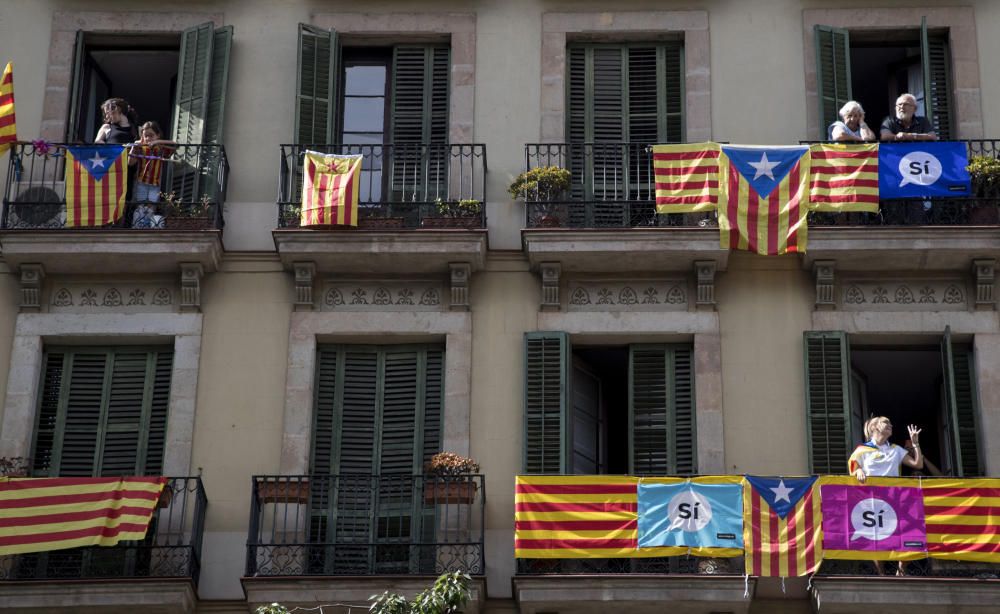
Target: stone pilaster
551,271
31,287
705,294
460,273
305,277
191,274
985,272
823,270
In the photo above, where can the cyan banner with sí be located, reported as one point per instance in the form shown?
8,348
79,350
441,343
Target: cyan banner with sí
922,169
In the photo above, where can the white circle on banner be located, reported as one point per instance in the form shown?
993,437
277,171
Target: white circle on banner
873,519
919,168
689,511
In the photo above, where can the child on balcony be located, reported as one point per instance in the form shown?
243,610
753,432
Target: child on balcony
148,153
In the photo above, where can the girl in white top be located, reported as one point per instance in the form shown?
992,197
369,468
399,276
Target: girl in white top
880,458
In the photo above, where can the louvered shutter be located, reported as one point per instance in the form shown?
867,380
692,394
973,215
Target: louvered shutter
218,84
833,73
194,81
966,413
75,125
828,408
546,382
316,85
661,411
937,77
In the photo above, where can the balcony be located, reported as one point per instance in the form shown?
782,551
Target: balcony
342,538
158,574
185,226
409,214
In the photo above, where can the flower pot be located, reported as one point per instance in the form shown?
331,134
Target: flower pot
381,222
451,222
449,492
189,223
283,491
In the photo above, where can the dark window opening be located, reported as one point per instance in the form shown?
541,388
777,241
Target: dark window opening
880,72
599,398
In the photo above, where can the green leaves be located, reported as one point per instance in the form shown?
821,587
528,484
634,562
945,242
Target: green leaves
448,595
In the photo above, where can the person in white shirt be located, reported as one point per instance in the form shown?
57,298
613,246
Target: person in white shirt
878,457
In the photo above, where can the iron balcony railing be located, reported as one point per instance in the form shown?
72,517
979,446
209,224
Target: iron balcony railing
171,549
365,525
402,185
192,190
613,186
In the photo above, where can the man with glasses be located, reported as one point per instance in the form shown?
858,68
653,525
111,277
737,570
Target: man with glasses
906,125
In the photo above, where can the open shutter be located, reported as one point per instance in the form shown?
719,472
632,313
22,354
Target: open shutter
960,405
75,125
218,84
546,384
935,63
661,411
316,85
828,422
833,73
194,75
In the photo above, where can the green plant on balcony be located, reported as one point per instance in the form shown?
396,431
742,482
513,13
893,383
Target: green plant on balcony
985,174
14,466
449,464
464,208
448,479
543,183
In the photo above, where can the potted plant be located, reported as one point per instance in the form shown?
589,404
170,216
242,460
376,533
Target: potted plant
448,479
14,466
283,490
196,216
378,217
542,184
464,213
985,174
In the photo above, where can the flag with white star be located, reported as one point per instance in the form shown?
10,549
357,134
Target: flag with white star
96,179
330,189
781,526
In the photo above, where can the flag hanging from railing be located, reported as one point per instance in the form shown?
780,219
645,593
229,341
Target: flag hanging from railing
781,523
330,189
96,178
962,519
42,514
687,177
8,125
922,169
872,521
702,516
844,177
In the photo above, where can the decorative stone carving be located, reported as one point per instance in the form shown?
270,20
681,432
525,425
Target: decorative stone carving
823,270
460,273
82,298
383,295
904,295
191,274
628,295
305,274
31,286
705,273
551,272
985,272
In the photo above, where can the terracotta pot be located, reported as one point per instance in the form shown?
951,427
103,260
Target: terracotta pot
283,492
449,492
451,222
189,223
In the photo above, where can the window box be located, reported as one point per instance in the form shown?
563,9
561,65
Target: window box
189,223
283,492
451,222
381,222
449,492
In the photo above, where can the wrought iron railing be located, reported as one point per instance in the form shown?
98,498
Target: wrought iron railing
171,549
713,566
191,197
402,185
613,186
929,568
357,524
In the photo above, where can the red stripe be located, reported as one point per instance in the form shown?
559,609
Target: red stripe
77,201
753,210
829,155
86,497
755,531
8,78
688,185
576,489
7,119
844,183
28,483
575,525
734,207
309,193
965,510
810,533
774,541
793,543
773,211
845,198
837,169
576,507
105,204
28,521
940,491
687,155
576,544
324,188
792,243
684,200
685,170
965,529
14,540
992,548
349,198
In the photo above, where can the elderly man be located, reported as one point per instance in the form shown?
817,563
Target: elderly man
907,125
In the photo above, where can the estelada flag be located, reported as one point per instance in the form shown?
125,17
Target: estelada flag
763,198
8,127
96,177
42,514
781,526
687,177
330,189
844,177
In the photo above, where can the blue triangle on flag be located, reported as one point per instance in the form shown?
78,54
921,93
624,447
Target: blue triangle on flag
96,159
781,494
764,167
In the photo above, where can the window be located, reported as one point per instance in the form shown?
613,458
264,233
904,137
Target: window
625,409
378,412
103,411
875,67
930,385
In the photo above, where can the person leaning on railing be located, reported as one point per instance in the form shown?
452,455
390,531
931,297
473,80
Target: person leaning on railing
851,126
906,125
877,457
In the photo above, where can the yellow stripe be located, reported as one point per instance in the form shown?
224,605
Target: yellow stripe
865,555
686,147
983,521
575,515
75,525
76,489
71,543
66,508
566,553
972,501
953,538
584,498
576,479
622,534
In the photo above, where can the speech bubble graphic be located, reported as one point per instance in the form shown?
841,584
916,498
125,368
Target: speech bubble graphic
689,511
873,519
919,168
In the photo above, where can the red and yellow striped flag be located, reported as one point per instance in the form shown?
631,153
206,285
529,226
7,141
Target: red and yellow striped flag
687,177
844,177
96,177
8,126
781,526
330,189
575,516
42,514
962,518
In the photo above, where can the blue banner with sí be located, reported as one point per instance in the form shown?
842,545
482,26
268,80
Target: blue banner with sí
922,169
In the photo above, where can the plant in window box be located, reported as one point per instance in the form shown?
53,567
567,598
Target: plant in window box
985,174
544,185
448,479
283,490
194,216
14,466
291,216
465,213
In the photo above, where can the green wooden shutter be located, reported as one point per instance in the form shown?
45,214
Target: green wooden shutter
661,411
103,412
828,409
218,84
316,85
194,76
546,385
935,62
833,73
74,126
966,413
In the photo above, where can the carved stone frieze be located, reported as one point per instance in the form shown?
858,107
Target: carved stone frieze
904,295
376,295
628,295
123,298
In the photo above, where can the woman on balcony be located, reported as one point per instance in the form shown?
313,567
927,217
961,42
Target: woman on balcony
878,457
119,123
852,126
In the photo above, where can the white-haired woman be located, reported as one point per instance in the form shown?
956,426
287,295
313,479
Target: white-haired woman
851,126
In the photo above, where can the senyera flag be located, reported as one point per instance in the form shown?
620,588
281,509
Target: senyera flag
962,517
96,178
844,177
42,514
330,189
8,126
687,177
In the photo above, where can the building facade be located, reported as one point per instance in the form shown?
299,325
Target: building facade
293,382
